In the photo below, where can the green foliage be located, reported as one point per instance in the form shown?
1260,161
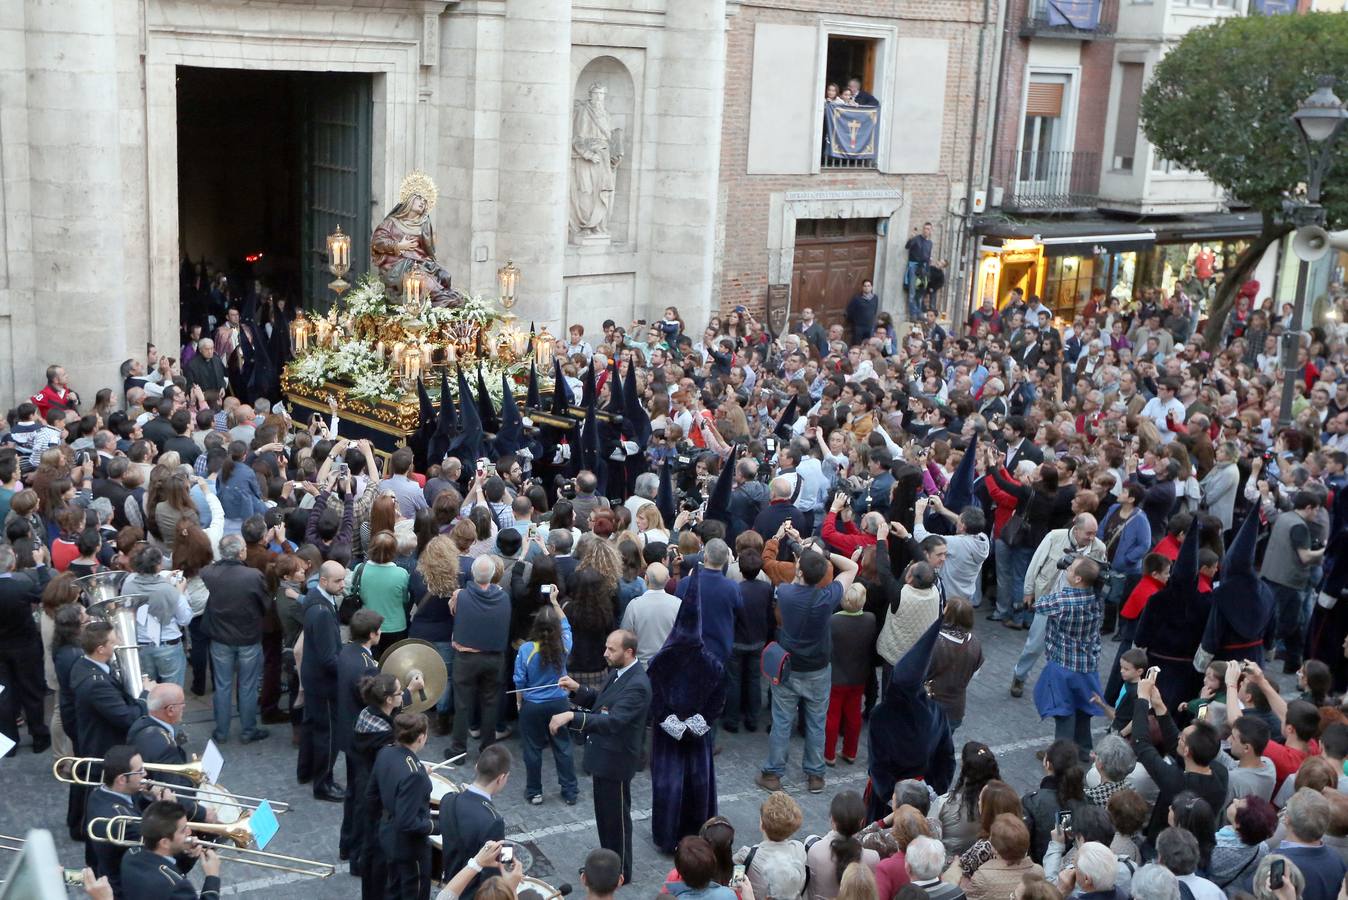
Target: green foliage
1221,102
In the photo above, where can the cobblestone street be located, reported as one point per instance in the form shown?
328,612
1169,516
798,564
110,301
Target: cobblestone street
555,836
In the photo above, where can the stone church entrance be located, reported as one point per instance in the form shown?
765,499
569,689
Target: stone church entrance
269,163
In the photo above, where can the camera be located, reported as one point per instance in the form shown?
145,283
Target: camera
506,856
770,445
566,488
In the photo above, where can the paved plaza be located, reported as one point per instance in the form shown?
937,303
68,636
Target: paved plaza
555,837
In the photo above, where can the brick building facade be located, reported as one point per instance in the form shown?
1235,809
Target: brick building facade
807,229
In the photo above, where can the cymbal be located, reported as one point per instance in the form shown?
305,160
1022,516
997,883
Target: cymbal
411,655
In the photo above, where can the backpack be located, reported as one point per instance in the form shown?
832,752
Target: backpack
351,602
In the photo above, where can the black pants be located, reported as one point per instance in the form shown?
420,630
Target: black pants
320,715
200,656
271,673
21,675
613,819
477,681
744,693
354,830
409,879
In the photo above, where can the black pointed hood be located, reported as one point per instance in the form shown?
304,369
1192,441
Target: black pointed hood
533,400
446,424
718,504
467,444
664,498
485,411
510,434
1241,598
634,414
562,397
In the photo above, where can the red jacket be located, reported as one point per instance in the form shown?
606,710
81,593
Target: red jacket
51,396
1168,546
1137,600
1005,503
846,539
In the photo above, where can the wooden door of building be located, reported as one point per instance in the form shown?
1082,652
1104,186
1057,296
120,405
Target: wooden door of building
833,257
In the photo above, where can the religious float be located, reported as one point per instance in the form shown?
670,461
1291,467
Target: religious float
404,323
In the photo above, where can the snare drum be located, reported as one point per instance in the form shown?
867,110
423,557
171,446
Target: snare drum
221,802
441,787
536,889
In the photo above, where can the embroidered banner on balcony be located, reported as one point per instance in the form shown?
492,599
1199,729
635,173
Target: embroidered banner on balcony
1083,15
852,131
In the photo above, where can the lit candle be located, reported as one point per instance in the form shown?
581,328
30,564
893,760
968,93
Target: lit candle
451,353
412,369
379,348
396,360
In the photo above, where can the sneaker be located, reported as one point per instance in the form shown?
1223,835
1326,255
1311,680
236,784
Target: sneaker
257,734
475,732
830,762
569,801
850,760
536,800
502,734
768,781
816,784
1017,687
996,617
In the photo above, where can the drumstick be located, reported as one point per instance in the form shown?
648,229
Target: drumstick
449,762
537,687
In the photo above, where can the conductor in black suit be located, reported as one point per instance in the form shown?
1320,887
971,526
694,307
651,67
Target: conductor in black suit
611,722
318,676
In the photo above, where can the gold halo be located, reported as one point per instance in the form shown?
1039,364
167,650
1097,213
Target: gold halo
418,183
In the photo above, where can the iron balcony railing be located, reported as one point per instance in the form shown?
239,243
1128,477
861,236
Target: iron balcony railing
1080,19
1050,181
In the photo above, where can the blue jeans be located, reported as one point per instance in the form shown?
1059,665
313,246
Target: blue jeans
534,737
165,663
445,705
811,689
228,661
1034,648
914,295
1020,564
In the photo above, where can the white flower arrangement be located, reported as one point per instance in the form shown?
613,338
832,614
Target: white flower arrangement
311,370
368,298
373,386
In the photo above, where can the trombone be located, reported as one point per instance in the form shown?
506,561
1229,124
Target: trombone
237,844
81,773
71,877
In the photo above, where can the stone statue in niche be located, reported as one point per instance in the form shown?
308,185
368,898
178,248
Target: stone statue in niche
596,153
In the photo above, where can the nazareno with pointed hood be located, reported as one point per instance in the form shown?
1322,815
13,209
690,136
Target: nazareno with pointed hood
510,433
664,498
467,445
1171,627
958,494
635,416
686,681
446,423
909,735
1241,618
718,503
420,442
486,412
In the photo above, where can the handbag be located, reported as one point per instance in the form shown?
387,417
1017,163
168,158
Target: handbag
775,663
351,602
1013,532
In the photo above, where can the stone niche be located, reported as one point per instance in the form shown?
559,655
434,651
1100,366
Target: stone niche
617,79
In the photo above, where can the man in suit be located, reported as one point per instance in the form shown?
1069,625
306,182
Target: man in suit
120,794
150,872
559,548
20,654
468,819
399,795
780,508
111,487
611,721
809,328
1017,446
318,676
159,738
103,711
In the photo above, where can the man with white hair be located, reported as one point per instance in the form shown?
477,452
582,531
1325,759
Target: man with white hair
1177,849
1308,816
206,370
1095,873
481,613
651,615
1154,882
643,492
779,509
158,739
925,858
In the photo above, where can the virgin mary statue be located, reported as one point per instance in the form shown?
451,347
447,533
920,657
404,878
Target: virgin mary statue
404,244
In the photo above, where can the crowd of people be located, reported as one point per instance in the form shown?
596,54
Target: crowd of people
800,533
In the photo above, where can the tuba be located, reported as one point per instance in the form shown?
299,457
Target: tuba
102,592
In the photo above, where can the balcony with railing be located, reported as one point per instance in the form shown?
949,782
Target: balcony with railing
1082,20
1050,181
850,137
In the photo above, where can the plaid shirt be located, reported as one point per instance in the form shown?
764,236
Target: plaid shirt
1074,619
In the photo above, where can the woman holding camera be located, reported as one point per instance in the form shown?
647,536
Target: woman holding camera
539,666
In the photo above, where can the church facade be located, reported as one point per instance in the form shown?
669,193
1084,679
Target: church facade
580,139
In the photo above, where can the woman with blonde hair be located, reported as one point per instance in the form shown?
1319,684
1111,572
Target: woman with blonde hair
431,586
651,525
593,552
858,884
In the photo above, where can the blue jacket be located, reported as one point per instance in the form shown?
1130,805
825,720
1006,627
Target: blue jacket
1133,543
241,497
529,671
720,599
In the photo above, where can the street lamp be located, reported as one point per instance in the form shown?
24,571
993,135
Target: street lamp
1319,120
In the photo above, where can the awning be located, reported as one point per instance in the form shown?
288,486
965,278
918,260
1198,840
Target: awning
1208,227
1072,237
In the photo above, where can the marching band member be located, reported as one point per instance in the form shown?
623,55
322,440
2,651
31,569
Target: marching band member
400,792
468,818
374,731
151,873
121,794
160,740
